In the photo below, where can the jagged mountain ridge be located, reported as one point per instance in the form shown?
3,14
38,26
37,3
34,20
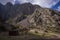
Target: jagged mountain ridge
10,11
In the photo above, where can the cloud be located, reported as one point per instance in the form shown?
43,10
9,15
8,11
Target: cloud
23,1
58,8
5,1
43,3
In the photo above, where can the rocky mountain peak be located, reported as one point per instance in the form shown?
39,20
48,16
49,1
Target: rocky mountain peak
43,17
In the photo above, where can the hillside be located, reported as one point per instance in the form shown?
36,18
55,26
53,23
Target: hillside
29,20
43,18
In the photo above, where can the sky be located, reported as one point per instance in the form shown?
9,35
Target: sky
54,4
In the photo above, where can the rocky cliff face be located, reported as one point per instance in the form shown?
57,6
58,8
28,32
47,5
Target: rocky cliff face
13,14
43,18
11,11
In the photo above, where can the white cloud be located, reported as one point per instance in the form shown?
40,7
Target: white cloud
5,1
43,3
58,8
23,1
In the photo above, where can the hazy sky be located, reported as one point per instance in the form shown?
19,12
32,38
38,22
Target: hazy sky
43,3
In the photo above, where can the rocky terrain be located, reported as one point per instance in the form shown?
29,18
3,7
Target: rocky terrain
27,21
45,18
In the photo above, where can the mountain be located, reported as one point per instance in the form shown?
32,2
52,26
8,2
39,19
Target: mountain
11,11
1,10
45,19
13,14
28,15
